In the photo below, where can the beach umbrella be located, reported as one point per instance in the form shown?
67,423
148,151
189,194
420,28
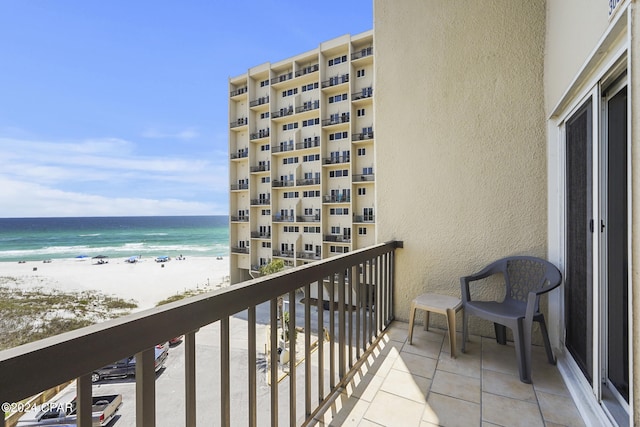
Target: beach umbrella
82,256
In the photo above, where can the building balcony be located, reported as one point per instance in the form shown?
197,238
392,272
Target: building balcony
364,177
236,187
336,238
239,218
334,160
308,255
239,250
308,181
307,70
282,184
282,78
308,106
361,136
308,218
362,370
260,168
336,120
283,254
364,218
239,91
336,198
260,202
366,92
260,101
310,143
337,80
260,235
282,148
263,133
238,123
240,154
362,53
283,112
283,218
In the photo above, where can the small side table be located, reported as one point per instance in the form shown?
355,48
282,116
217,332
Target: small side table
442,304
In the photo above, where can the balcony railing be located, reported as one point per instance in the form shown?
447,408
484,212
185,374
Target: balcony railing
308,181
263,133
238,91
308,106
259,101
336,238
360,307
244,186
283,254
336,198
239,218
282,78
310,143
260,235
260,168
366,92
283,218
239,250
337,80
282,112
361,136
260,202
240,122
308,255
364,177
364,218
282,148
364,52
240,154
307,70
278,183
343,118
308,218
335,160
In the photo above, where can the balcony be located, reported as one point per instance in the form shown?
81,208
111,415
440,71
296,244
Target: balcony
260,202
362,136
365,371
308,218
281,184
240,154
368,177
336,238
336,120
362,53
239,250
307,70
260,235
238,91
239,218
334,160
309,143
260,101
260,168
283,112
337,80
283,254
308,106
366,92
308,255
336,198
283,218
239,122
262,133
282,147
282,78
243,186
364,218
308,181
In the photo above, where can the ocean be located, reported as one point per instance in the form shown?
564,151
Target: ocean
34,239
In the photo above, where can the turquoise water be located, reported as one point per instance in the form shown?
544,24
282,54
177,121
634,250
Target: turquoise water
32,239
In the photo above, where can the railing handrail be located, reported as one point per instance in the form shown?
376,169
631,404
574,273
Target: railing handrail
54,360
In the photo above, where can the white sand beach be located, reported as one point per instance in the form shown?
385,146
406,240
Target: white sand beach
146,281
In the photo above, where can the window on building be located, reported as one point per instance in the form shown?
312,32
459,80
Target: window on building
360,112
360,73
362,231
362,191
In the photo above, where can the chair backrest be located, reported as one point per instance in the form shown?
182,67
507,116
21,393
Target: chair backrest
523,274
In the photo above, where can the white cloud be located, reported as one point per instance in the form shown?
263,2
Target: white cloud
152,133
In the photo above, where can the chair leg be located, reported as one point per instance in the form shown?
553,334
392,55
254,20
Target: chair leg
547,344
526,344
464,330
521,353
426,320
412,315
501,333
451,324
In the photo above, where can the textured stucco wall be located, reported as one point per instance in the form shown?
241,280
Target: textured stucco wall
460,138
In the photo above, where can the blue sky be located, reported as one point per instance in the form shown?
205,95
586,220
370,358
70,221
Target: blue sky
120,107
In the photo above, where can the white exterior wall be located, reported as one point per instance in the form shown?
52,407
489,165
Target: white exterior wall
460,138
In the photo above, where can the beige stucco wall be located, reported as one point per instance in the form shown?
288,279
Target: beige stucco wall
460,138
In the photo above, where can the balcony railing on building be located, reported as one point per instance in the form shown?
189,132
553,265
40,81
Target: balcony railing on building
359,290
243,186
260,202
362,53
308,218
308,255
260,101
336,198
336,119
239,250
240,154
308,106
260,235
309,143
307,70
336,80
283,253
308,181
260,168
282,78
280,184
282,112
335,160
283,218
362,136
366,92
283,147
364,218
336,238
240,122
262,133
364,177
238,91
244,218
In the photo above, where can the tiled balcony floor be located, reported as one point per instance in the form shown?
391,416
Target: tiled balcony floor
421,385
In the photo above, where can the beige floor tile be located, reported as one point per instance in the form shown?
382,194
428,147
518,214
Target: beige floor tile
367,423
364,387
486,424
433,334
457,386
559,409
473,344
448,411
467,364
405,385
423,346
343,411
547,378
416,364
390,410
500,358
507,385
510,412
398,331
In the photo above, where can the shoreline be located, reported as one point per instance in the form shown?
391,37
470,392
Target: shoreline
146,281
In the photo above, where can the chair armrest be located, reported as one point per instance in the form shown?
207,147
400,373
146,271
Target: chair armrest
489,270
534,296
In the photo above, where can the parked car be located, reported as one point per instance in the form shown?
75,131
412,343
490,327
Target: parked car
176,340
126,367
63,411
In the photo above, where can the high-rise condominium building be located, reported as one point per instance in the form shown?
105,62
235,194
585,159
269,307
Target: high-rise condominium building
301,166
